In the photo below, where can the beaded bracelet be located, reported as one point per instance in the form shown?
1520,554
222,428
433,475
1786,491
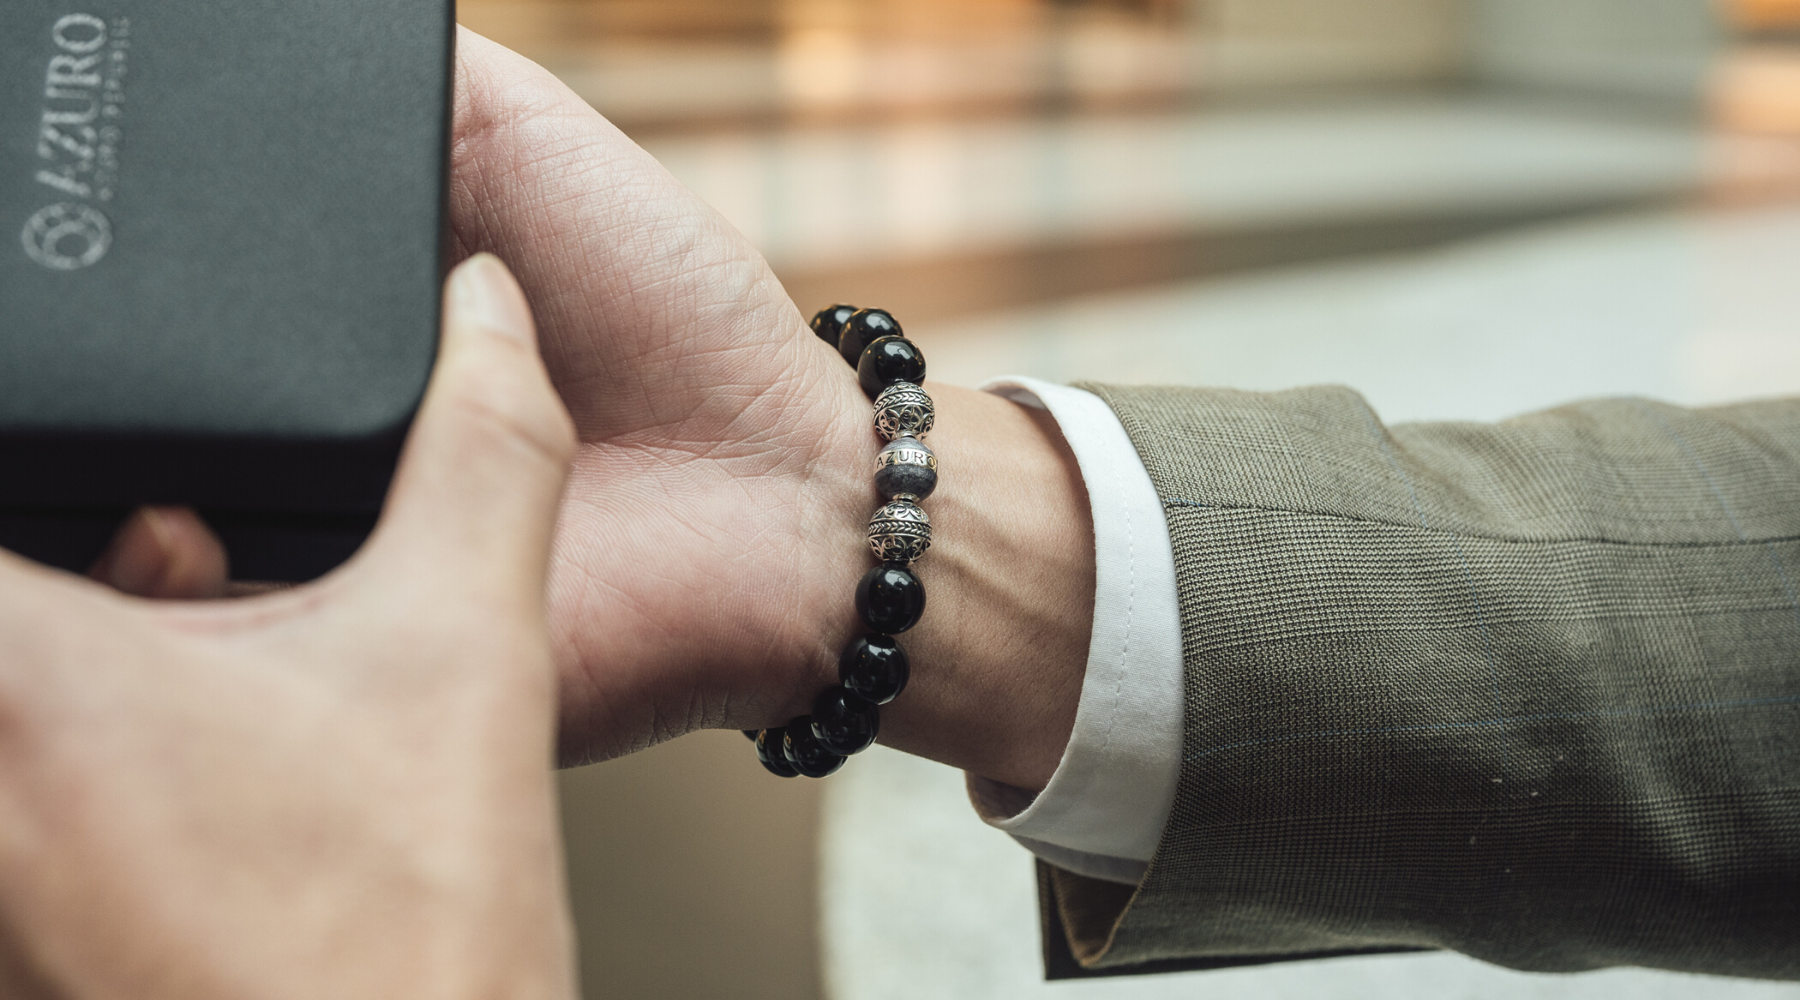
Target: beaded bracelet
873,670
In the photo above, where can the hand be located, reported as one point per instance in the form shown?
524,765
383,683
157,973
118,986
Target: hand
712,534
339,790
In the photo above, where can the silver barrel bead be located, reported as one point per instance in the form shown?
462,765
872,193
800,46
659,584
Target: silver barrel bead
906,468
899,532
904,410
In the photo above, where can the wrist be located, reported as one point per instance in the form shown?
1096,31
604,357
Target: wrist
999,658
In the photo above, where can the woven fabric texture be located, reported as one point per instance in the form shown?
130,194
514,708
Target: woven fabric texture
1529,690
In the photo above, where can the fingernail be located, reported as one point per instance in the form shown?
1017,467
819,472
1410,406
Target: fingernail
483,292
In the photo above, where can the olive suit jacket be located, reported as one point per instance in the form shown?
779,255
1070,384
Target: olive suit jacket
1529,690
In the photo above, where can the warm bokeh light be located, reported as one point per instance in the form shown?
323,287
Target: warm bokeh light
1763,14
1756,89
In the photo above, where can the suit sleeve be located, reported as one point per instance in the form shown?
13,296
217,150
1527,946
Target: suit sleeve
1529,691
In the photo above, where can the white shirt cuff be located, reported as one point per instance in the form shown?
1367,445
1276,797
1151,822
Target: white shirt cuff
1104,809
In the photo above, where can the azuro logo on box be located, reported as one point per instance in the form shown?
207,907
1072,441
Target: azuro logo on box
78,141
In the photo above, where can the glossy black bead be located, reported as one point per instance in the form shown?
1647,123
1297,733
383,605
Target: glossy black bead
805,752
769,750
844,723
751,734
829,323
863,328
890,360
889,599
875,669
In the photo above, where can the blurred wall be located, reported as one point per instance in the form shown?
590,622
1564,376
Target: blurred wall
792,49
1287,42
1663,49
693,874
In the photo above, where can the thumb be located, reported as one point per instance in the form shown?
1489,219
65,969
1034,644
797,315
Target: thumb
473,504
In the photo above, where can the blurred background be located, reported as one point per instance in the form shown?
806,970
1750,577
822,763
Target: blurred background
1463,208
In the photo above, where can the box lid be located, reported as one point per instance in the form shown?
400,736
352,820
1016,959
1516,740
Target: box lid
220,233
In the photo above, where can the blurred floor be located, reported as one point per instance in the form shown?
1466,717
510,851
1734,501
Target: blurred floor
1256,193
1693,306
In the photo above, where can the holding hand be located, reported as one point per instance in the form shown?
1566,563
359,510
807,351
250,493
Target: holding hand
338,790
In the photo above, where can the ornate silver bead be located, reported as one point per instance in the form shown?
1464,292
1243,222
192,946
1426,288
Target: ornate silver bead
904,410
899,532
906,468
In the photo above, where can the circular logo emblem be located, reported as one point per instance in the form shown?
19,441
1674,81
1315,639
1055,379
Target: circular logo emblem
67,237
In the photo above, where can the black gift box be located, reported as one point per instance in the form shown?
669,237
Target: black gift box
220,253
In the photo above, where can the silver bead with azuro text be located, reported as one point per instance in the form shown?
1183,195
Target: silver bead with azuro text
899,532
906,468
904,410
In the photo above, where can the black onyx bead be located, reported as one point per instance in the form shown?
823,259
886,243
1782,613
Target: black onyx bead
890,599
864,328
829,323
806,753
769,750
844,723
874,669
887,361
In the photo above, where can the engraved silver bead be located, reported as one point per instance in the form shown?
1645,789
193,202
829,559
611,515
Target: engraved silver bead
904,410
899,532
906,468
